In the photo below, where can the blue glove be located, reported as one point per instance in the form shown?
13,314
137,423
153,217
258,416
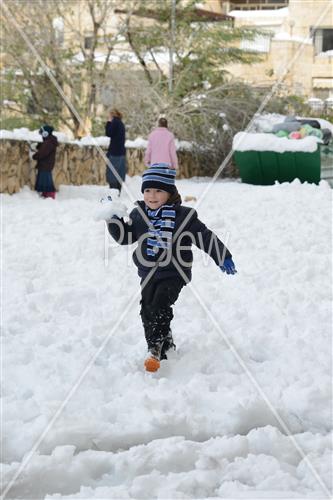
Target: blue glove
228,266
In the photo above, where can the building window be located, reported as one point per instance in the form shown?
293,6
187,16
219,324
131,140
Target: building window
257,4
323,40
261,43
88,42
319,95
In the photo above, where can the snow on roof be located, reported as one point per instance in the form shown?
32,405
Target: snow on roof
116,56
283,36
119,55
245,141
247,14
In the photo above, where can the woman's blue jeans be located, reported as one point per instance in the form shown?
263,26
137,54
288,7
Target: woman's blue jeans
119,164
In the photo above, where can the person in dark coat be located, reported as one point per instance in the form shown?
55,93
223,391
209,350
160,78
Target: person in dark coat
165,231
116,154
45,156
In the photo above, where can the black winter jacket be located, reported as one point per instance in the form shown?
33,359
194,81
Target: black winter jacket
194,231
115,129
46,153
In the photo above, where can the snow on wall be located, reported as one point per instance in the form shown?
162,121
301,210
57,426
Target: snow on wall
24,134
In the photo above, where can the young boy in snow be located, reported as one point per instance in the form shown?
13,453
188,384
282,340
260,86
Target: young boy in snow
165,231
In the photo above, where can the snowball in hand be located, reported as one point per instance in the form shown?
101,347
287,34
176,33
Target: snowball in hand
109,208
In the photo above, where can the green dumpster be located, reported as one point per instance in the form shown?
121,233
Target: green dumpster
266,167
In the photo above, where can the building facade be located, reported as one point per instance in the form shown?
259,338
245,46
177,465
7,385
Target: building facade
227,6
297,49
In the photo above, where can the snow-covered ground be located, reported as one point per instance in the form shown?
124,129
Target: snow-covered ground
241,410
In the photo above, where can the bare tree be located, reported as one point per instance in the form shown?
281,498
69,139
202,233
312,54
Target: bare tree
74,41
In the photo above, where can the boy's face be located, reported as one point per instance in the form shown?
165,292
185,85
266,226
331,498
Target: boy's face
155,198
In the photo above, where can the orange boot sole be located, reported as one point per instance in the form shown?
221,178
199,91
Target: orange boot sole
152,364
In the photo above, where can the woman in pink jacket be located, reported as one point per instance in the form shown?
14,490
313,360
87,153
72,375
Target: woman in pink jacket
161,146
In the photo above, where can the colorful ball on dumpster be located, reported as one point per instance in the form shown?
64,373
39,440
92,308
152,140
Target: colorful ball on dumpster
295,135
304,132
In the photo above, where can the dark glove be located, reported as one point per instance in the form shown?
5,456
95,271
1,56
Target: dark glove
228,266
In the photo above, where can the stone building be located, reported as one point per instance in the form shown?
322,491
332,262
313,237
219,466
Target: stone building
297,49
298,46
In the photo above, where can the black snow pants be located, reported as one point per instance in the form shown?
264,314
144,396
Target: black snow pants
157,297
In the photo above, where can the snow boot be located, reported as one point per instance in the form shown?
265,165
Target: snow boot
167,345
49,194
152,362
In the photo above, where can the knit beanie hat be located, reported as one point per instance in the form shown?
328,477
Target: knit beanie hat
46,130
159,176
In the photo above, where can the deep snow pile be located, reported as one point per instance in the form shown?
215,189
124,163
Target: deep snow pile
245,141
199,428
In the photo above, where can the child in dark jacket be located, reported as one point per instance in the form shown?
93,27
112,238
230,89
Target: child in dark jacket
115,129
165,231
45,156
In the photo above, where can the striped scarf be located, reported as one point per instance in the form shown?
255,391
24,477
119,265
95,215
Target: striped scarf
160,229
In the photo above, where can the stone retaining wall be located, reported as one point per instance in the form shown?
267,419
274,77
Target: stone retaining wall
75,165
